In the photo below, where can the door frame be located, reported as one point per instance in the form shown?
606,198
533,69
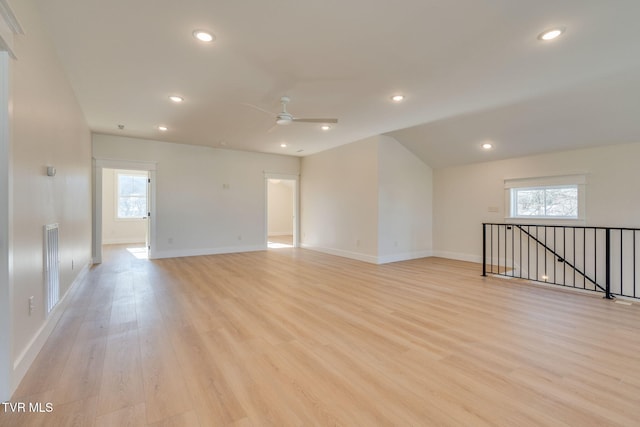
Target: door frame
6,285
296,204
9,27
98,165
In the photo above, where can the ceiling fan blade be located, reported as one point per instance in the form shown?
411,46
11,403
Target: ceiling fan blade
255,107
316,120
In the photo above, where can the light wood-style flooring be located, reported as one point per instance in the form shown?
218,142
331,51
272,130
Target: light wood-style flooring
291,337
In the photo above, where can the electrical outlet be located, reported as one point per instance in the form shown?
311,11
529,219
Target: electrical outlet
31,305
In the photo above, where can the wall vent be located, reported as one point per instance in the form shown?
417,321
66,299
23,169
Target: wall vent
52,266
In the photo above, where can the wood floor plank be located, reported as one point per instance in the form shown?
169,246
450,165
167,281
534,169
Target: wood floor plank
187,419
80,413
81,375
121,382
131,416
165,392
49,364
210,395
293,337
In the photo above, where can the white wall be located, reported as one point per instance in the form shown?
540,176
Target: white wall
339,200
368,200
280,207
48,128
404,204
117,231
207,200
464,194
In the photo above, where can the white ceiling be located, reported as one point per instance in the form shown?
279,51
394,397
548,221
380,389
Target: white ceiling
471,70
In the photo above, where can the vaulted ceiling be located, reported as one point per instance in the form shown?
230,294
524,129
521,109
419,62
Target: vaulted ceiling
471,71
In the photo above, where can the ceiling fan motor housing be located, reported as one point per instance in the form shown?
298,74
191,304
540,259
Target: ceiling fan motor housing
284,119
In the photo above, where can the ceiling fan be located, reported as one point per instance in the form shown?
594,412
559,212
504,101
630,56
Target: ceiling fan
285,118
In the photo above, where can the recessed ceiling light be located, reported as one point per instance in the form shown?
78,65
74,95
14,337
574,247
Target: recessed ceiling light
163,128
550,34
397,98
487,146
325,127
176,98
283,145
203,36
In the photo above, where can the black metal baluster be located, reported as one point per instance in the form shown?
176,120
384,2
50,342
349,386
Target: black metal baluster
607,264
537,261
555,250
564,255
520,240
498,239
584,256
491,248
528,252
484,250
574,257
513,253
505,250
634,263
595,254
621,270
545,254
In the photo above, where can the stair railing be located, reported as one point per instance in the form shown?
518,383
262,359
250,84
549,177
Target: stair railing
599,259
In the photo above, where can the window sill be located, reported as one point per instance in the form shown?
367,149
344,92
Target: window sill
546,220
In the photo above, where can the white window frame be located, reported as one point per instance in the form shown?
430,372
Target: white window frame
578,181
116,187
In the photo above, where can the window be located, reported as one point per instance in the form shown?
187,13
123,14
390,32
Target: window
556,197
557,202
132,196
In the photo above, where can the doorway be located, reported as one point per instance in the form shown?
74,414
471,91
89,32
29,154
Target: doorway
282,211
125,210
124,207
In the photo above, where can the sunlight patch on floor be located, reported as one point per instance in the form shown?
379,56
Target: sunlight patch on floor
274,245
139,253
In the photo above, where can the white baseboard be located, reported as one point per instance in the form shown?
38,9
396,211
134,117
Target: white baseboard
178,253
478,259
122,241
372,259
26,358
458,256
280,233
384,259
